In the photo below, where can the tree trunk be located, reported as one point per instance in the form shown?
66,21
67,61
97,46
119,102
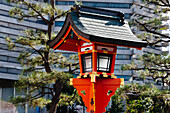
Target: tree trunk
50,28
46,63
58,86
53,108
163,83
51,22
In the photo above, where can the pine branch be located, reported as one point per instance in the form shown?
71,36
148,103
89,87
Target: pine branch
156,42
150,31
38,53
28,16
168,2
151,69
72,97
30,5
156,78
74,64
35,96
29,69
159,4
58,16
72,71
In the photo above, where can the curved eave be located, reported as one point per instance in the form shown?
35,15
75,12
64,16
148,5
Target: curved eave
118,42
68,24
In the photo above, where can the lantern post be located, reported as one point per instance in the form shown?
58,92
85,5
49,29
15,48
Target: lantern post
95,34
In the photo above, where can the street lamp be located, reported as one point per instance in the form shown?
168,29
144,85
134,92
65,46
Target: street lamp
95,34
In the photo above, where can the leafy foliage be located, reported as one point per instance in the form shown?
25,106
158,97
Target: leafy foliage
151,65
150,26
151,21
141,99
147,99
117,103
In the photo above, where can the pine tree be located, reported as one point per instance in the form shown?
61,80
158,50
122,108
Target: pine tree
40,78
153,65
139,98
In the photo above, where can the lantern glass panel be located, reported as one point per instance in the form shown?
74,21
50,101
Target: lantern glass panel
87,62
104,62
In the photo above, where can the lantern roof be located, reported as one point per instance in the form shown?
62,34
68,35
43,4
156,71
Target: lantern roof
97,25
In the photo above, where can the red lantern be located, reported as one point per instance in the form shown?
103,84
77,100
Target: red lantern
96,58
95,34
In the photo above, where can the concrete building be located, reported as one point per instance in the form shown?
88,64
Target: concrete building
10,27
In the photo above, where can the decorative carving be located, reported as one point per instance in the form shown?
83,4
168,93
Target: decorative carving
92,102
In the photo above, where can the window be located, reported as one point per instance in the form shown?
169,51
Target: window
7,93
97,4
62,3
123,57
123,48
59,23
41,22
117,66
71,3
94,4
126,77
127,16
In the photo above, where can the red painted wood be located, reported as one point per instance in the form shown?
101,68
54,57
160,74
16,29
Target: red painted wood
80,60
113,60
85,52
71,44
96,95
94,57
84,39
62,40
